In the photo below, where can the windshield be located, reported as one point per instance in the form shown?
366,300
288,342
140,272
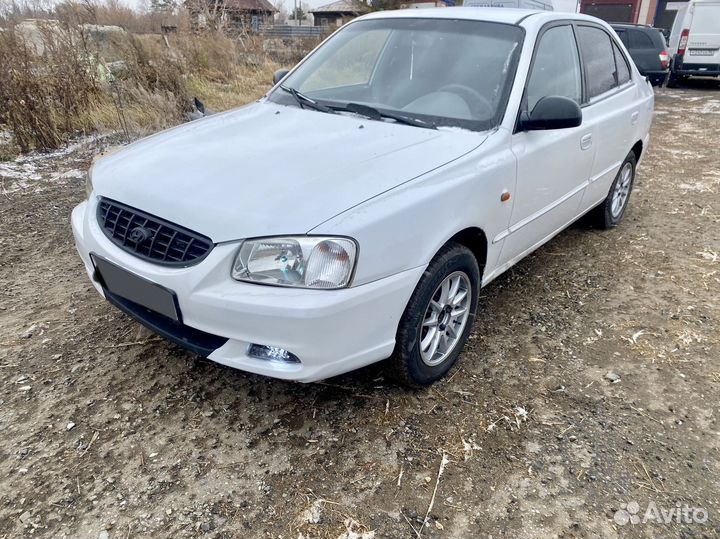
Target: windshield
444,72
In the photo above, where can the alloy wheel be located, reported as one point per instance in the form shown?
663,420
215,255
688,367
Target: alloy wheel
622,190
445,318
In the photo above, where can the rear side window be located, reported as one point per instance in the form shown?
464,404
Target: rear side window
556,68
599,59
623,70
640,40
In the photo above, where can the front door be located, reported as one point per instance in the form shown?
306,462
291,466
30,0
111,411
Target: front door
553,166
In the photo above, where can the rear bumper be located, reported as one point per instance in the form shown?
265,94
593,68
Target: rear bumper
330,331
697,72
656,77
682,67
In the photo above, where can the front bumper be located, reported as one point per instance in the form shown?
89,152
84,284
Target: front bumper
330,331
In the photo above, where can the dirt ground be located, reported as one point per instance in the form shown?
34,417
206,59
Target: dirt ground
587,395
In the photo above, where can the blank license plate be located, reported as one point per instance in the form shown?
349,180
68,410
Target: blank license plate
702,52
141,291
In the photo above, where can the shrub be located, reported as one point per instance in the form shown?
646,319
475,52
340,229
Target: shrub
72,76
44,96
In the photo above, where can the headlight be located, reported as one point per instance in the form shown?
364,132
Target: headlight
301,261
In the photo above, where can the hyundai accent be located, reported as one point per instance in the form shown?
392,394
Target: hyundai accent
352,214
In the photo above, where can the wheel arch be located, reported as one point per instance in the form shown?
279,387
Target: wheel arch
637,149
475,239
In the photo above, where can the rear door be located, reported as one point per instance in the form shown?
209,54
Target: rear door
677,28
704,39
612,108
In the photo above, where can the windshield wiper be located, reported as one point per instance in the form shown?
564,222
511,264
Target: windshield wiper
303,100
377,114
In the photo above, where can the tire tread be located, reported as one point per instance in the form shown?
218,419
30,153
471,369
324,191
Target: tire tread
442,264
601,216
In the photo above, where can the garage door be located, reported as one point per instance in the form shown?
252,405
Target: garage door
610,12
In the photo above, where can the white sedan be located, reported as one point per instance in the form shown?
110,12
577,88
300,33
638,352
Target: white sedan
353,213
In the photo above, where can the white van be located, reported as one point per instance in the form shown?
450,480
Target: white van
695,41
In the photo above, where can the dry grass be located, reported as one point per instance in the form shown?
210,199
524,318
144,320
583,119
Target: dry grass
218,96
44,101
225,73
83,80
136,111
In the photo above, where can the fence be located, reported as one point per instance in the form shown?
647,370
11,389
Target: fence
283,31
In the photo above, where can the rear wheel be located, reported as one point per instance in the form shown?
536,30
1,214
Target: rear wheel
608,214
438,318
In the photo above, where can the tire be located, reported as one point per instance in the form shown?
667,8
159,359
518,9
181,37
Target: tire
675,80
414,362
659,80
610,212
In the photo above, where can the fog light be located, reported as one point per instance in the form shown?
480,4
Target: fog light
271,353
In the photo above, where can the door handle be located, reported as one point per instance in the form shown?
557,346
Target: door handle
586,142
634,117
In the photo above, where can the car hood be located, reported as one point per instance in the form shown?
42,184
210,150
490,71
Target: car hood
269,169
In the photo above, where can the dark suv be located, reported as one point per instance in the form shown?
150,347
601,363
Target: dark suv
647,48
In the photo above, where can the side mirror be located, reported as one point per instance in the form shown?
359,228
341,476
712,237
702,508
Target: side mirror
552,112
279,75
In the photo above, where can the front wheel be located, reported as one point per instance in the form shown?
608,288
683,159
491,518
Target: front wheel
438,318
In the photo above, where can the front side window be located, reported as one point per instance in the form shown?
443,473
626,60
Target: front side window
443,72
599,59
556,68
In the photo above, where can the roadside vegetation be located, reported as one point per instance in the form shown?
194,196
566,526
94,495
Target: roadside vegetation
82,68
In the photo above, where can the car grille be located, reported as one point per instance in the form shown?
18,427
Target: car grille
149,237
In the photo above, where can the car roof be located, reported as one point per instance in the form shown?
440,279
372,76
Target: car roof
488,14
633,26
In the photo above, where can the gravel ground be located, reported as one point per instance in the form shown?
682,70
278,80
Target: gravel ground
586,402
